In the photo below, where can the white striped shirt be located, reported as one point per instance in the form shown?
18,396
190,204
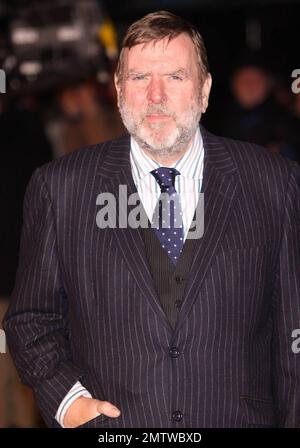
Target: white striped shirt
188,185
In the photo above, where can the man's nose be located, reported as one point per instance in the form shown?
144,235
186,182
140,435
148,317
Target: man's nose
156,91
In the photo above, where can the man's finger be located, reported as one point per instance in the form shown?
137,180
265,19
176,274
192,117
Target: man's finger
107,408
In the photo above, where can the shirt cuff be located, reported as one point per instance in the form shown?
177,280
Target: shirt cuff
75,392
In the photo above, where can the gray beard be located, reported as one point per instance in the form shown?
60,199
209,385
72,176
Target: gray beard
185,136
178,140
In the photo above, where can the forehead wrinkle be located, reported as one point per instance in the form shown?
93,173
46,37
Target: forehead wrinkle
132,58
165,43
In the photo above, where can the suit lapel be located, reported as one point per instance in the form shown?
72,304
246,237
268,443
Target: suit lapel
220,188
116,171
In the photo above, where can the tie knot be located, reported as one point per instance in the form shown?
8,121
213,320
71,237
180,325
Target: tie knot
165,177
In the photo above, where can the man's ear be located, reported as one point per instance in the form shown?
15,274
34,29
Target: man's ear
205,91
118,88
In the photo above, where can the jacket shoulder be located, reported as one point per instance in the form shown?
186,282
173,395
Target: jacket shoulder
84,159
257,161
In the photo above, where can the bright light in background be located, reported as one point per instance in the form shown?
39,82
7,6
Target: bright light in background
30,68
25,36
68,33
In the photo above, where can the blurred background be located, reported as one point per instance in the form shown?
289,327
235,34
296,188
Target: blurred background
57,59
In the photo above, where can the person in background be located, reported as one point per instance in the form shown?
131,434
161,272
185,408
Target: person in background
83,117
252,113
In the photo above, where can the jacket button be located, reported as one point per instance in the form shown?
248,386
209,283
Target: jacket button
179,279
174,352
178,303
177,416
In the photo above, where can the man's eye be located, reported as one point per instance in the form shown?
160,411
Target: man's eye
138,77
176,77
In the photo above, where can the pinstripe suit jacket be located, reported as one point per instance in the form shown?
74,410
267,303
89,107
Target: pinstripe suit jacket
84,306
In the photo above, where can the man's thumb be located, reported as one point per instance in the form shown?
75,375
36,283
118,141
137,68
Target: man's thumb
108,409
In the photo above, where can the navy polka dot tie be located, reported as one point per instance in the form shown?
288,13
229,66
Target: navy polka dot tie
167,216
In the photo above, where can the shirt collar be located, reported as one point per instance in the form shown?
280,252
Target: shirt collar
190,165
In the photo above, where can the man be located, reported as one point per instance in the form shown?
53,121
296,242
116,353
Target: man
252,112
128,326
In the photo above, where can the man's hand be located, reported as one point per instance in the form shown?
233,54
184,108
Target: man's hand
84,409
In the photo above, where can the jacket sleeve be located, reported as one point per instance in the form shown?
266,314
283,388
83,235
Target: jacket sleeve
286,300
36,320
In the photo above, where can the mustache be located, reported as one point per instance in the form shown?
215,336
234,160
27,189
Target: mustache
158,109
